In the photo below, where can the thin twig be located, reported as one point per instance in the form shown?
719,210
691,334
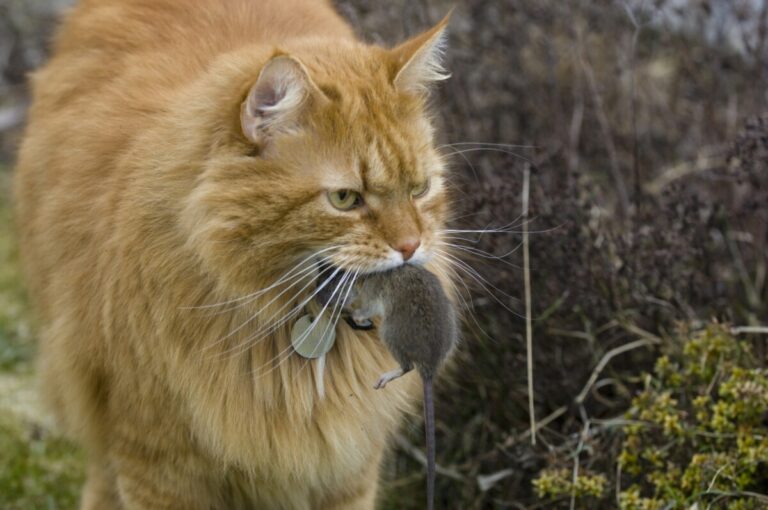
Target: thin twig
485,482
488,480
576,458
418,455
512,440
758,330
642,333
633,95
608,357
707,159
733,494
741,269
605,127
527,279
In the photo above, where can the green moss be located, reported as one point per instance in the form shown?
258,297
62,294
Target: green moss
696,435
15,339
37,470
559,483
698,432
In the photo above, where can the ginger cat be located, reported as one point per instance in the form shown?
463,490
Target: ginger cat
185,168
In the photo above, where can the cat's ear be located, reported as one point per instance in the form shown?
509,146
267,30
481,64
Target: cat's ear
419,61
276,100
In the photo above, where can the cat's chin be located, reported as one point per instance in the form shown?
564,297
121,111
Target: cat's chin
393,263
385,265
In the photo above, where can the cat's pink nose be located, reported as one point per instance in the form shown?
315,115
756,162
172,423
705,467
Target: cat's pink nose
408,247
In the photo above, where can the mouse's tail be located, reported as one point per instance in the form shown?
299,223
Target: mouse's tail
429,429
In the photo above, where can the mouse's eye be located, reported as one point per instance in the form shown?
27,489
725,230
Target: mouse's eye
420,189
345,199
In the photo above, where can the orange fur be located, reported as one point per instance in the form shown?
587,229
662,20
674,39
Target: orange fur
139,197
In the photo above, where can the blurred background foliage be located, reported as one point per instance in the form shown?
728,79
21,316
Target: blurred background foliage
642,125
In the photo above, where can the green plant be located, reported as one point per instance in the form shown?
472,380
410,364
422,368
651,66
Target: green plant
695,436
37,470
698,432
558,483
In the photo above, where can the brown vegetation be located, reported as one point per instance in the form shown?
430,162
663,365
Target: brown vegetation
648,194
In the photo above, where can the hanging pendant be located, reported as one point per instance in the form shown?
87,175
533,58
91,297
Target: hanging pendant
319,376
313,337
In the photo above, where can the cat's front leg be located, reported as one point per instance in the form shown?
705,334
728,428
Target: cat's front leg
147,480
156,489
358,494
363,499
99,492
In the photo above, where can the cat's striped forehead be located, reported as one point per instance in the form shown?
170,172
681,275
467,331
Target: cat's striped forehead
391,139
387,160
383,135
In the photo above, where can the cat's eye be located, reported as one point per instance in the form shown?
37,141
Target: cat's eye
420,189
345,199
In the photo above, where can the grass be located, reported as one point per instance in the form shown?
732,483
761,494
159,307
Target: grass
16,346
38,469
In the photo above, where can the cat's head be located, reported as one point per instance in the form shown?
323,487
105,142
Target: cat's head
334,154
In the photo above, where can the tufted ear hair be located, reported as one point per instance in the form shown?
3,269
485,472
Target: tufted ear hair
276,100
419,61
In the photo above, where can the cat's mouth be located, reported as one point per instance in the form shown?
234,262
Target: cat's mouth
335,284
334,289
329,284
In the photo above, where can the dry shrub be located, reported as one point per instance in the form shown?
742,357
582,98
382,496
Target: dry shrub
650,201
647,206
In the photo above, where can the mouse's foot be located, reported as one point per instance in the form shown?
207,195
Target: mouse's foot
389,376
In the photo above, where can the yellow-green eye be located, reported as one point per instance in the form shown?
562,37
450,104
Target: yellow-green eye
419,189
345,199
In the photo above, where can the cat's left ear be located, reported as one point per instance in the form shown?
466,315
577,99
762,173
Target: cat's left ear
277,99
418,62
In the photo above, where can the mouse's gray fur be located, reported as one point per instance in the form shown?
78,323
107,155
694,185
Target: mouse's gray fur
418,321
418,326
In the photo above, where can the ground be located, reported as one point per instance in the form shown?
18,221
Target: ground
38,469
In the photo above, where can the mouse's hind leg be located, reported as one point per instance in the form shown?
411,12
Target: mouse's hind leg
391,376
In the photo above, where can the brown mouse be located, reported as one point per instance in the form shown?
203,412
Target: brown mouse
418,326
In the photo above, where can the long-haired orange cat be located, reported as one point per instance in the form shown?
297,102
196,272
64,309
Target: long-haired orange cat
187,168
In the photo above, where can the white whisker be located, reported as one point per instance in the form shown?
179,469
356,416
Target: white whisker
469,308
285,277
508,145
256,315
472,273
332,323
460,263
297,278
260,334
484,254
500,230
340,303
490,149
304,336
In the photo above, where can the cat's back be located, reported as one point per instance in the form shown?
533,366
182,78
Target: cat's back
117,68
131,55
202,28
116,64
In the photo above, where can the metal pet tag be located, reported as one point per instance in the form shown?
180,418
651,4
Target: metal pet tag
312,339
